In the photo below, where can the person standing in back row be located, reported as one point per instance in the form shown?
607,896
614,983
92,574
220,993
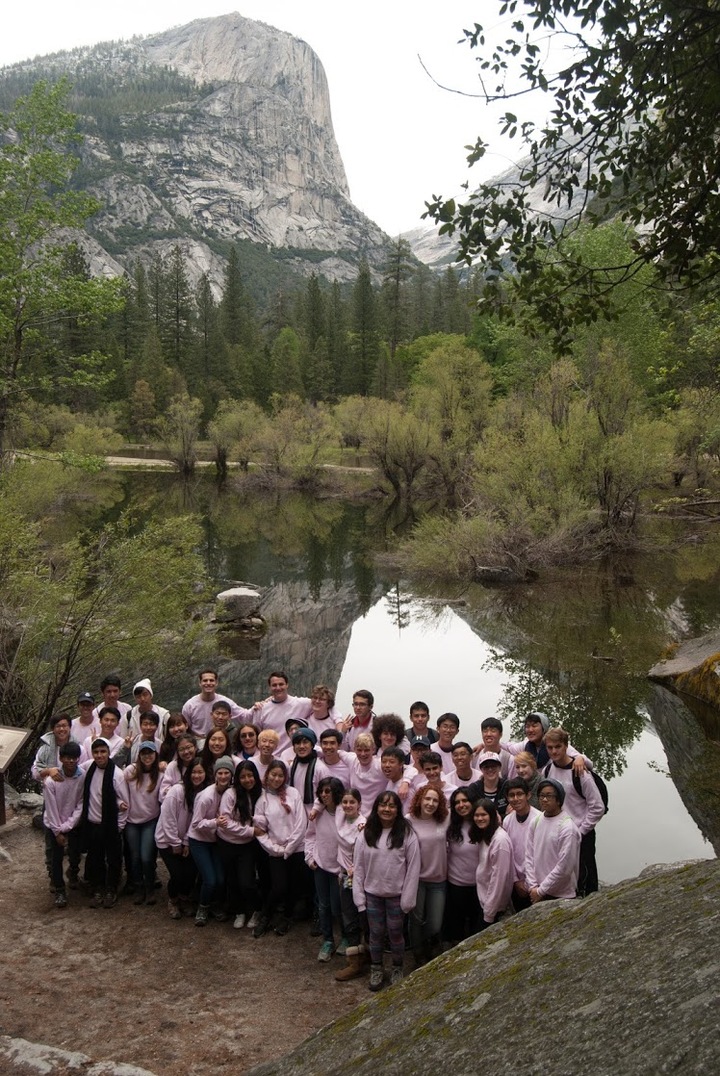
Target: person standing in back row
583,803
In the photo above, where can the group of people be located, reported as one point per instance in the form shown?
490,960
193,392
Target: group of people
383,834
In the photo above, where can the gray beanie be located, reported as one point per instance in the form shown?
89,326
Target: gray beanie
537,717
224,763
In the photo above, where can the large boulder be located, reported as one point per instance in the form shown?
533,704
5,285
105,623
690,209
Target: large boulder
624,982
693,667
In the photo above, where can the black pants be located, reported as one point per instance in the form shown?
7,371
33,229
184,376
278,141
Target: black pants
104,856
182,871
240,879
57,854
462,912
587,873
286,883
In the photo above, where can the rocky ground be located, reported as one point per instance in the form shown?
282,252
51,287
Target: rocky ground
130,985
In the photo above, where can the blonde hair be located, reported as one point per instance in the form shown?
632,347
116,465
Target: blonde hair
365,739
525,756
269,737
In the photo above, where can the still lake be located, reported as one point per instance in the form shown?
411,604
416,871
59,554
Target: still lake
576,645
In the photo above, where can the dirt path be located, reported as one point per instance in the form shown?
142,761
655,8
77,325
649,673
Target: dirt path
130,985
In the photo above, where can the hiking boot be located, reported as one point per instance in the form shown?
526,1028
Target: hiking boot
110,898
261,926
140,898
174,909
326,952
354,966
342,947
150,897
239,921
96,901
396,975
201,915
219,915
60,899
376,977
281,925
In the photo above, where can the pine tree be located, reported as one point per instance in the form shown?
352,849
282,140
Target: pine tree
365,341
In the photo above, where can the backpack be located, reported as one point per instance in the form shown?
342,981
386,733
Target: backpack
577,784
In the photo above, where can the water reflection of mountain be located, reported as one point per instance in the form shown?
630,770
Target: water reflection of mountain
308,636
693,758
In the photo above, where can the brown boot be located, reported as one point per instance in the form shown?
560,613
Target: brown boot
354,966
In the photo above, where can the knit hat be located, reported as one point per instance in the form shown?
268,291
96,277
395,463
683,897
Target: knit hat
143,685
538,718
559,789
224,763
304,734
296,721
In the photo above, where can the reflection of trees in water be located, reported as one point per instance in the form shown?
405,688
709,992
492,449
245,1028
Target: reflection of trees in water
602,721
398,606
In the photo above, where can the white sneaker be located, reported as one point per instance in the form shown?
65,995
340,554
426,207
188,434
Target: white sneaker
239,921
253,920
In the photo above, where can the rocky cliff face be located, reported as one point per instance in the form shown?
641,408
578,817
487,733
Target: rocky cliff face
237,144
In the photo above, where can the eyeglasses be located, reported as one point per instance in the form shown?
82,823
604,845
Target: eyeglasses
547,796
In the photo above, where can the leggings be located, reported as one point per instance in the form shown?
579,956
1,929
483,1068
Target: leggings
385,916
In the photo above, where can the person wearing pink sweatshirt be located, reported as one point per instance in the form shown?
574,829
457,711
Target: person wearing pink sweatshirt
553,848
349,823
583,803
385,880
63,809
143,796
280,824
496,872
428,817
462,907
516,824
281,706
185,752
171,835
365,770
236,842
202,839
321,856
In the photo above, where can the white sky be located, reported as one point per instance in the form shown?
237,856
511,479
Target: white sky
401,138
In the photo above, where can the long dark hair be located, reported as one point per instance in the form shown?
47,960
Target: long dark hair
245,799
190,790
454,830
152,772
208,759
168,748
484,836
374,827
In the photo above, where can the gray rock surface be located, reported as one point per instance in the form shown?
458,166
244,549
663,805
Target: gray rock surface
19,1057
625,982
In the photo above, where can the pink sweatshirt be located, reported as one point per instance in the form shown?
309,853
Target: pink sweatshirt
198,713
284,830
170,777
553,855
432,838
273,715
80,733
321,842
369,780
495,875
348,833
203,826
124,708
63,802
95,800
463,858
235,832
518,831
174,821
143,804
387,872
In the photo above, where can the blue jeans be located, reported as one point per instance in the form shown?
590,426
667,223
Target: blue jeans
140,837
426,918
208,862
328,899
